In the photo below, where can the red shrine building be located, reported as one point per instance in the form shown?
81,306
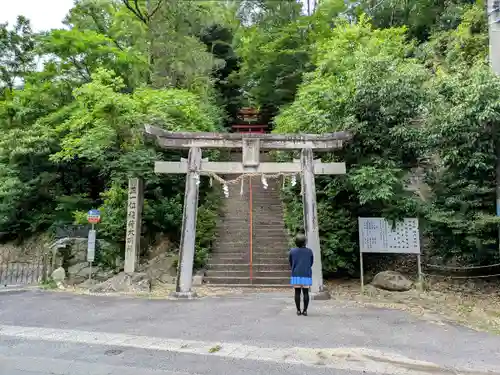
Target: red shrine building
248,122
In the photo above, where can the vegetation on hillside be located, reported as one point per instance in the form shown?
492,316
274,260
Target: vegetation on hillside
409,79
72,130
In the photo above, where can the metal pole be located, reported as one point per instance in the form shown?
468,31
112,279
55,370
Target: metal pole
494,42
250,201
420,279
90,268
361,269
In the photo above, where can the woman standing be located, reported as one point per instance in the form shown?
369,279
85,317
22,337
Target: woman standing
301,259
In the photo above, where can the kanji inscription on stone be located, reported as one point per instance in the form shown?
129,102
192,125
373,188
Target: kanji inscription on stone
132,240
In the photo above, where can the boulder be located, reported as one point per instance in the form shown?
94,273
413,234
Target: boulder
161,269
198,278
123,282
166,279
80,272
392,281
58,275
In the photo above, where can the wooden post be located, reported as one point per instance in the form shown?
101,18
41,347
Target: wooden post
188,233
311,220
134,223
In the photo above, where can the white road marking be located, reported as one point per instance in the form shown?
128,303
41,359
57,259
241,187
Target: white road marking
34,365
353,359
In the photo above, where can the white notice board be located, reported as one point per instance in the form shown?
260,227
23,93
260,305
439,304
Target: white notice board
376,235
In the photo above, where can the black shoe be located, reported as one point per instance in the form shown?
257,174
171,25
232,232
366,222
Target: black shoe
299,313
304,313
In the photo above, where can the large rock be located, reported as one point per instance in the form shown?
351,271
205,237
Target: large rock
161,269
198,278
80,272
128,283
58,275
392,281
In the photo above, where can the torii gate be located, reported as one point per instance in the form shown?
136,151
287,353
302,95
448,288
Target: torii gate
251,144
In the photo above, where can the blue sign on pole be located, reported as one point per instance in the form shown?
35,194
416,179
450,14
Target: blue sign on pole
93,216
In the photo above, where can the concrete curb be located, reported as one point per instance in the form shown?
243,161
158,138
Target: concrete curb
16,289
12,290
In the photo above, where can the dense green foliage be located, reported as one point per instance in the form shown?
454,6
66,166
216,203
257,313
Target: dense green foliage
72,131
408,79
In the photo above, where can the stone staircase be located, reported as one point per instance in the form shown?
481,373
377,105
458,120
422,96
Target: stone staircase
229,264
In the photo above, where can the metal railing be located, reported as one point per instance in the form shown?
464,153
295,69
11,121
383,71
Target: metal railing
19,269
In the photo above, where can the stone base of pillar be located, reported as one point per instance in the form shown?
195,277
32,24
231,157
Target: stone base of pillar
184,295
321,296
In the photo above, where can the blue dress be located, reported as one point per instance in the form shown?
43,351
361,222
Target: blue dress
301,261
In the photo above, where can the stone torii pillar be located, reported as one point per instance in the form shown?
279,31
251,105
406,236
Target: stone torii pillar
251,145
311,225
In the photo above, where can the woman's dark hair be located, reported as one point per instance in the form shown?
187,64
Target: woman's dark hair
300,240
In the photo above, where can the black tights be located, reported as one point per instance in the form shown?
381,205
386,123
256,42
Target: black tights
305,291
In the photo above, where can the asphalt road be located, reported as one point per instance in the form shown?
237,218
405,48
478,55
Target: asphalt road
18,357
57,333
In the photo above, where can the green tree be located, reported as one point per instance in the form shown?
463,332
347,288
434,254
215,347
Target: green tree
463,129
72,135
17,57
364,84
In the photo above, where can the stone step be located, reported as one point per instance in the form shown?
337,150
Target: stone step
256,222
262,223
247,281
243,239
257,267
257,241
229,242
256,286
228,261
234,251
270,258
260,237
232,227
242,274
273,198
245,254
259,214
228,247
239,259
266,208
246,227
258,246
